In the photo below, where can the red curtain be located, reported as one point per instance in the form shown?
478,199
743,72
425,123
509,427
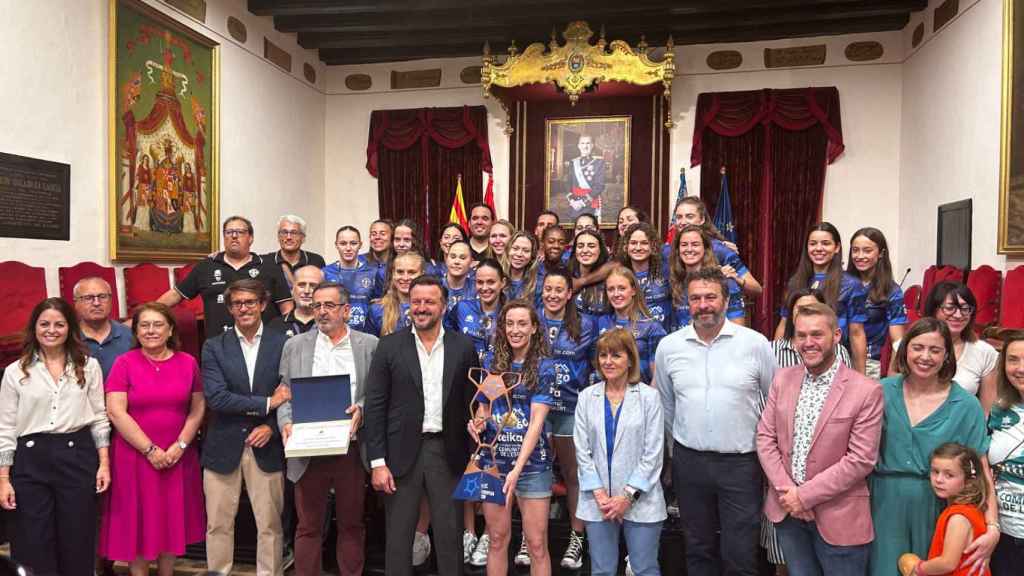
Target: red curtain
776,146
418,154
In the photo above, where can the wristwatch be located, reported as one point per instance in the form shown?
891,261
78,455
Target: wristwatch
182,444
632,493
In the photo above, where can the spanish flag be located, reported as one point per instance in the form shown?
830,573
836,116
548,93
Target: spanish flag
458,213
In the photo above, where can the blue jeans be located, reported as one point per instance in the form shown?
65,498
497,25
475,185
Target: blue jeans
807,553
642,540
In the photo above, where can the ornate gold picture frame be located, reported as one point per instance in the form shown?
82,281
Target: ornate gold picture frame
587,167
164,131
1011,173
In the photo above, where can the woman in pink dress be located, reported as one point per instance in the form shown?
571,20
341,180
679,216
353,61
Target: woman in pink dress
155,401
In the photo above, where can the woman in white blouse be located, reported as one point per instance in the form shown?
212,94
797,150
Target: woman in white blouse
54,434
1006,455
976,360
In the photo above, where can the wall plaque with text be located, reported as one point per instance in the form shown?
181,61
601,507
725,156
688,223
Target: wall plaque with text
35,198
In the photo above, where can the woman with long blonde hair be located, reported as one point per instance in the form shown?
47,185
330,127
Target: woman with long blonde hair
390,313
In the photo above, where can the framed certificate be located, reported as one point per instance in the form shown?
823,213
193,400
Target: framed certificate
320,424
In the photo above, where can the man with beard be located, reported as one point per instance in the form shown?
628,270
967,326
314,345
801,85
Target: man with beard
302,318
481,217
213,274
818,441
713,376
417,396
333,348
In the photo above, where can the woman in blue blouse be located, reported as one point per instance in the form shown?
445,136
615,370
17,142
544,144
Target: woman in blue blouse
570,339
477,317
638,252
630,312
691,251
618,434
521,267
885,314
450,234
458,277
390,313
821,267
521,450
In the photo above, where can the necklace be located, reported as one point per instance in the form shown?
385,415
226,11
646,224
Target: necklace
152,363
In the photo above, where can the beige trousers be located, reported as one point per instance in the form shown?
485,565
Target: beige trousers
266,493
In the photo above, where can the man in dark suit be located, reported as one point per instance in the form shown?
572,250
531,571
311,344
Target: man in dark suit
241,384
417,398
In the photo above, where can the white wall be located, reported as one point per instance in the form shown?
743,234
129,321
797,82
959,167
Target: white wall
865,176
949,136
54,107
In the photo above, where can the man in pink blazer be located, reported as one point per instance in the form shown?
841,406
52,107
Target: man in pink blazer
818,441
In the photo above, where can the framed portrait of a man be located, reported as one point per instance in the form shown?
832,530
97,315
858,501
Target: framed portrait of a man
587,167
164,162
1011,185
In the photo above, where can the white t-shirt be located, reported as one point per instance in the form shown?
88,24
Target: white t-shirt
977,360
1006,452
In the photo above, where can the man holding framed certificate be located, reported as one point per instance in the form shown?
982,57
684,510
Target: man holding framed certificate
327,371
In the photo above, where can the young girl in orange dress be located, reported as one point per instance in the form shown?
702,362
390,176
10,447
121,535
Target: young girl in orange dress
957,478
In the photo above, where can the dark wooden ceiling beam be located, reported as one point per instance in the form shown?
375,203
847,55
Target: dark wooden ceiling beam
340,56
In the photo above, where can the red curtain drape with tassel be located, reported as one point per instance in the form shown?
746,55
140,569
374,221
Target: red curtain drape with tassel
417,156
776,146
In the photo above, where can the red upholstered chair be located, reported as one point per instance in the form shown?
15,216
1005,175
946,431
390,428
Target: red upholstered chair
188,331
70,275
1011,311
912,301
985,283
144,283
21,288
935,274
195,305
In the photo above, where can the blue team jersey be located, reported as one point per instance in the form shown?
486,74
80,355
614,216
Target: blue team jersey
850,308
469,318
571,359
375,320
514,289
509,443
657,296
647,332
736,308
725,256
362,285
456,295
881,315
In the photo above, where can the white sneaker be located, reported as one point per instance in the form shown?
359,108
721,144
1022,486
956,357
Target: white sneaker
573,557
420,548
468,546
479,556
629,569
523,556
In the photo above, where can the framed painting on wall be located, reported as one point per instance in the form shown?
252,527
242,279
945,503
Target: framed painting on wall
1011,174
587,167
164,132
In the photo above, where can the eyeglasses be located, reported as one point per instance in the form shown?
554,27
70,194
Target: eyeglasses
290,233
236,232
92,298
950,309
158,325
241,304
326,306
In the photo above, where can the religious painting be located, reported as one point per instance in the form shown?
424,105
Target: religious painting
1011,177
587,167
164,163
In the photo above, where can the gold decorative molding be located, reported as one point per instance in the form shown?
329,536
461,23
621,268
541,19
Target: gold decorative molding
577,65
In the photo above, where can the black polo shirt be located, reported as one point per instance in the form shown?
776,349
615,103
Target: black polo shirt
291,325
305,259
210,277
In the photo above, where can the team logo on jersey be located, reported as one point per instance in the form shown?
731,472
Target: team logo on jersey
220,298
365,282
289,333
253,272
217,276
552,334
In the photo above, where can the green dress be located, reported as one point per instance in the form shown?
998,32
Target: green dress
903,507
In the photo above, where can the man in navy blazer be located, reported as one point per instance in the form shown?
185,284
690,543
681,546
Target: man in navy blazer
242,389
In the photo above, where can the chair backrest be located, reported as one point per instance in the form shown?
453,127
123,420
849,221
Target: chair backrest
21,288
1011,312
195,305
985,282
143,283
69,276
935,274
912,301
